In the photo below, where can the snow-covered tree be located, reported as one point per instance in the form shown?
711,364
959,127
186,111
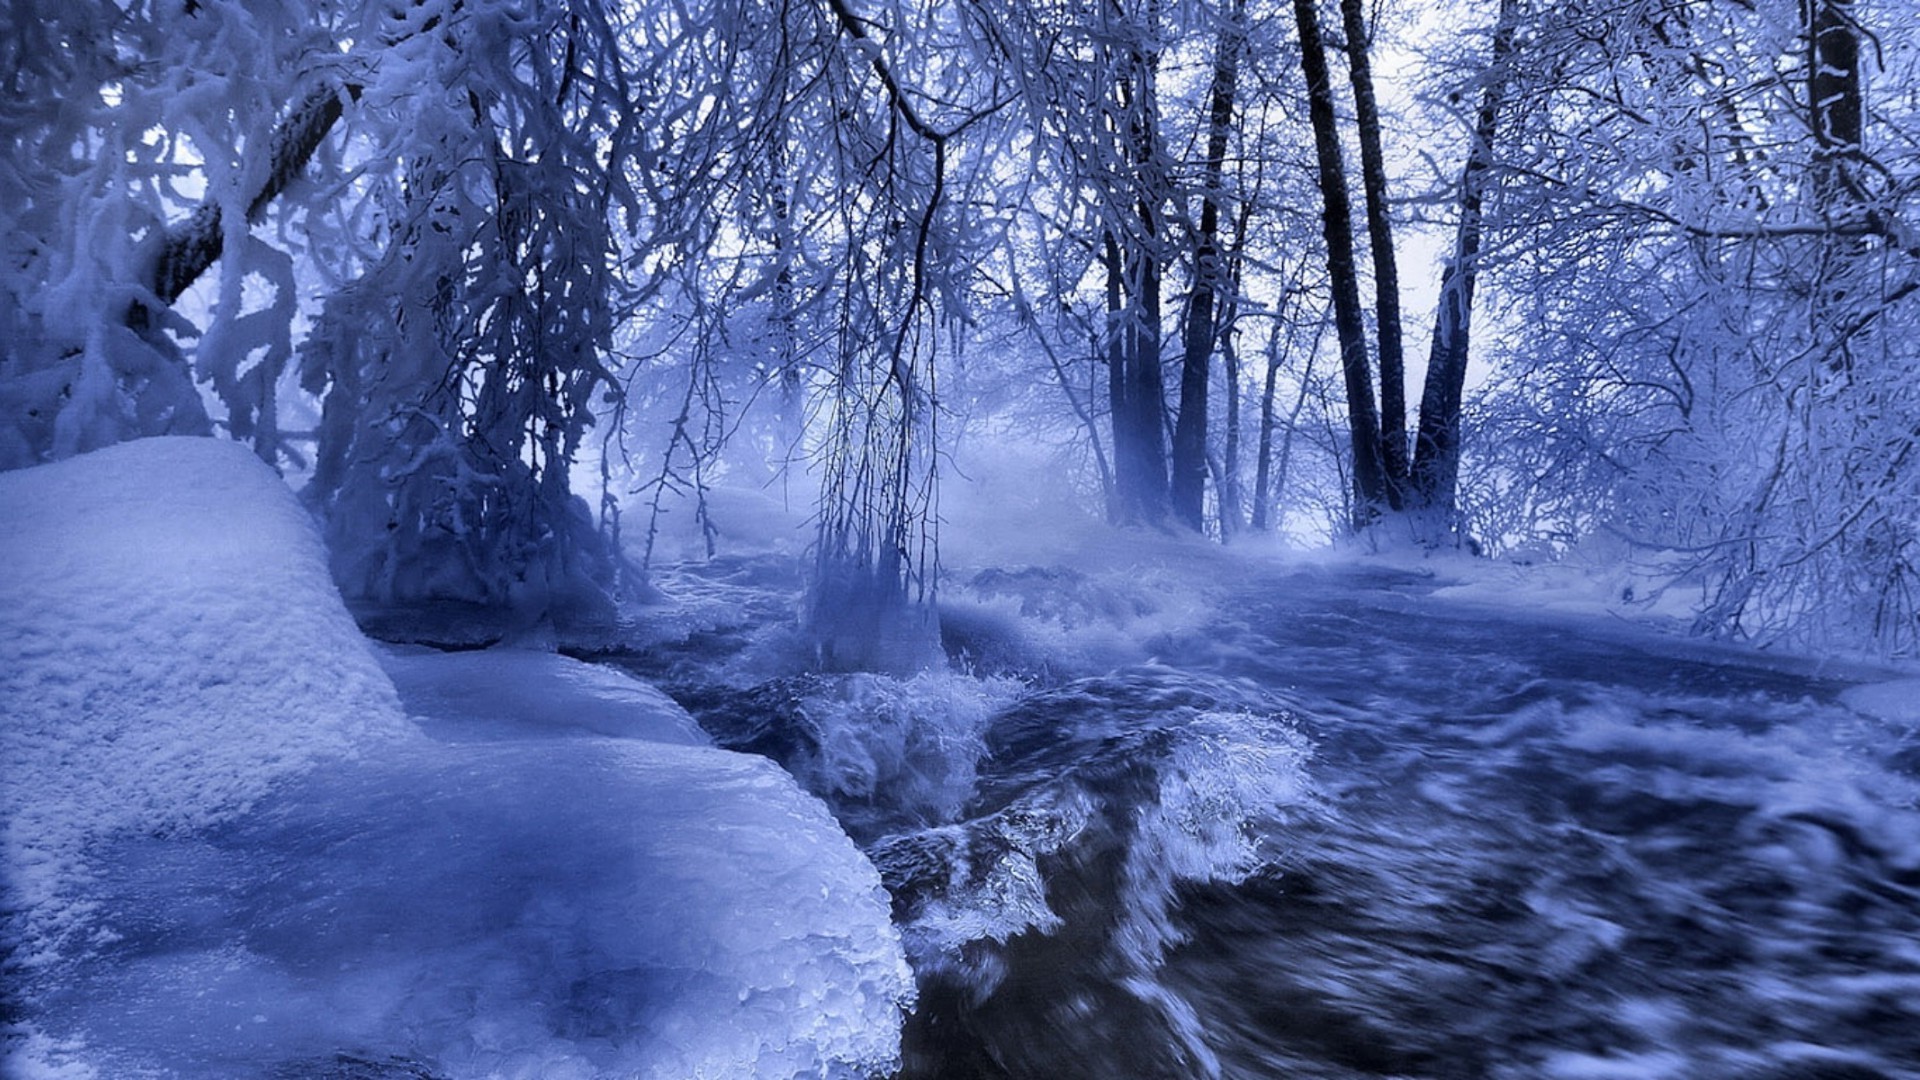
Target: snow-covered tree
462,350
1713,210
419,199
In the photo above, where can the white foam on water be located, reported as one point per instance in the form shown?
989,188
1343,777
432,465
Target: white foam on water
1004,895
1809,770
914,742
1227,774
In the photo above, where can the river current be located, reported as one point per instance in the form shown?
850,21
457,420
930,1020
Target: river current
1286,822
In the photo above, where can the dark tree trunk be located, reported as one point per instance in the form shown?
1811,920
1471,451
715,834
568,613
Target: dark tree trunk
1202,327
1363,423
1230,484
1386,270
1116,341
1834,96
1146,394
1134,257
195,244
1837,111
1436,465
1233,514
1133,386
1263,461
792,420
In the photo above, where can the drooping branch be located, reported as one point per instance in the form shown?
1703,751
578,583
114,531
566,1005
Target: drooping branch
856,28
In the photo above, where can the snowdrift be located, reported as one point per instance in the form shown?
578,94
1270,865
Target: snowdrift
233,849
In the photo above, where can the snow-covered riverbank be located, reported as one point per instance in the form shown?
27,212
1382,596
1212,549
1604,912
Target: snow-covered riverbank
234,849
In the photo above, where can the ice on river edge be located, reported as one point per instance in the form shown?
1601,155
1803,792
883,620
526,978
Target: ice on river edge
233,849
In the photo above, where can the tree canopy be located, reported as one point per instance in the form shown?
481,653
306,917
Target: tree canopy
438,259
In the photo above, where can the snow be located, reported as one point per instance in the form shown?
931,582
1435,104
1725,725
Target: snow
1896,700
505,693
236,849
515,908
171,648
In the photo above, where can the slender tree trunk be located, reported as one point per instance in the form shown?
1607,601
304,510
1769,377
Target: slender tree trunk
1436,466
1299,406
1233,513
791,428
1202,327
1386,270
1230,486
1835,99
1118,414
1363,423
1133,385
1146,394
1134,268
1083,410
1263,467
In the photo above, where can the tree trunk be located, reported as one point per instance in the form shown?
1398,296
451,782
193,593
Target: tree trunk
1834,96
1133,395
1134,268
195,244
1363,423
1202,329
1386,270
1835,100
1146,395
792,422
1436,466
1263,462
1230,484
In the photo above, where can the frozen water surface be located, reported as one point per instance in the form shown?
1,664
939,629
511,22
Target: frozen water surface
501,909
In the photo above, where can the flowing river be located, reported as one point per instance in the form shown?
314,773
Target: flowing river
1323,823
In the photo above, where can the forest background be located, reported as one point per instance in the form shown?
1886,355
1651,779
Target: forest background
452,265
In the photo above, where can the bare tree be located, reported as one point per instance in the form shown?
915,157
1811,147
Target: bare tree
1370,484
1212,281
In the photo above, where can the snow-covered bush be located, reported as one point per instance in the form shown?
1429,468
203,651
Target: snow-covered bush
416,201
1719,298
462,352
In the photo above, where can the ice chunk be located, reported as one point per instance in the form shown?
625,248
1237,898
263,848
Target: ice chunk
1898,700
504,693
577,907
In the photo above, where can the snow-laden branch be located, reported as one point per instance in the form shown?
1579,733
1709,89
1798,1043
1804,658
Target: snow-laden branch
196,243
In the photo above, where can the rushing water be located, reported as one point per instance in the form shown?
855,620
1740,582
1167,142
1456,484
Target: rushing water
1327,825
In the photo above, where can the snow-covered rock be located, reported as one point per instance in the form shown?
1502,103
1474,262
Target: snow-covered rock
233,850
170,647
